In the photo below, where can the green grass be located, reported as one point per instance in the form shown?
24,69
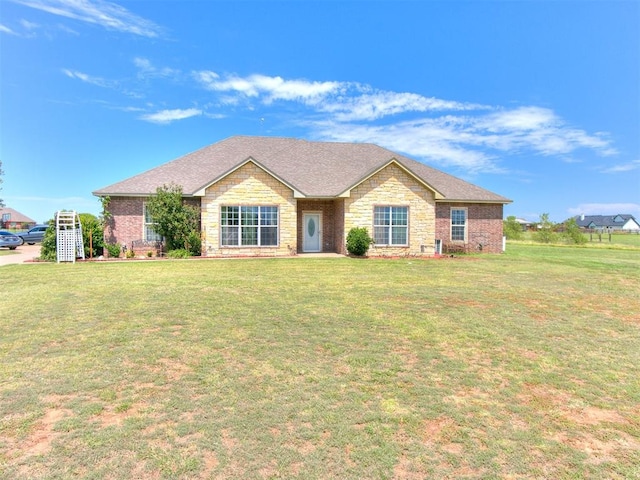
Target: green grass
615,240
522,365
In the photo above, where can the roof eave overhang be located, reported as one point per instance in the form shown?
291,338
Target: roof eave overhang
200,192
503,201
129,194
393,161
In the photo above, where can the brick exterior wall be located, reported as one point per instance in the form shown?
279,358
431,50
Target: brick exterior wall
394,187
249,186
332,212
484,227
126,224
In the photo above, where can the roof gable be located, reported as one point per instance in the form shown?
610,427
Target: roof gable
202,191
395,162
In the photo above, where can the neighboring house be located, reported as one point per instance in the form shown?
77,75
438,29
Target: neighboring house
283,196
608,222
525,224
14,220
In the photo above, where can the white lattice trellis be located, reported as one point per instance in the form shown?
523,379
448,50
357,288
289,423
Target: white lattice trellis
68,237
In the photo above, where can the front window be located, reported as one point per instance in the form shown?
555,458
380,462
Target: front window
249,226
391,225
149,233
459,224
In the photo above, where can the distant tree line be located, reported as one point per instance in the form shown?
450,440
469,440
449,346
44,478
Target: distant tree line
546,231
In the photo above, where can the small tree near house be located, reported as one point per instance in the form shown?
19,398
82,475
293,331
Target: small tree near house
176,221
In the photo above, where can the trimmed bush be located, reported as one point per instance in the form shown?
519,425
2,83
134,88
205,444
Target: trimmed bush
358,241
113,249
179,253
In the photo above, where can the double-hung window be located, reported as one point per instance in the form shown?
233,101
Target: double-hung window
249,226
459,224
150,234
391,225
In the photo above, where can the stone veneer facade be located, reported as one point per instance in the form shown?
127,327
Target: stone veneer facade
249,186
392,186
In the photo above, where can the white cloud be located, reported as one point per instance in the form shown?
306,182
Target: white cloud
347,101
7,30
147,70
100,82
429,139
29,25
272,88
99,12
623,167
606,209
168,116
351,111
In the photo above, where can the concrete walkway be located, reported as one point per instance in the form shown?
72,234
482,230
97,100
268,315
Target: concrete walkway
23,253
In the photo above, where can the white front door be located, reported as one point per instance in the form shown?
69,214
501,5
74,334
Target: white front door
311,237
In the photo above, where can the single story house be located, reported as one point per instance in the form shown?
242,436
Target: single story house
624,222
271,196
14,220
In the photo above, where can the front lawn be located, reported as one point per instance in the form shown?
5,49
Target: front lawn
522,365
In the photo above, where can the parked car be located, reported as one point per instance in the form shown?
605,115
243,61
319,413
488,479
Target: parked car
10,240
34,234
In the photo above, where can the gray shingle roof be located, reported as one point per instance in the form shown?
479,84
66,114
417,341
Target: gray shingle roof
315,169
603,220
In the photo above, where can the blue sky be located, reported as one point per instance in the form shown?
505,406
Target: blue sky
536,101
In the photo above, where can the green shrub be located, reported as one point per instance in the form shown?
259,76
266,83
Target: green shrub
545,232
113,249
572,233
512,229
179,253
130,254
358,241
48,247
92,235
195,243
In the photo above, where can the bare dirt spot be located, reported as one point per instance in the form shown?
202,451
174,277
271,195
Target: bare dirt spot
229,442
114,417
564,404
174,369
408,356
438,430
40,440
211,462
597,450
405,469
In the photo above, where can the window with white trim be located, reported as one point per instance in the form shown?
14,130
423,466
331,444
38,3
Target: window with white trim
459,224
150,234
249,226
391,225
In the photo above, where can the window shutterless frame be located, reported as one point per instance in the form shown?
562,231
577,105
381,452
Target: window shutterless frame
391,225
249,226
149,234
459,224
